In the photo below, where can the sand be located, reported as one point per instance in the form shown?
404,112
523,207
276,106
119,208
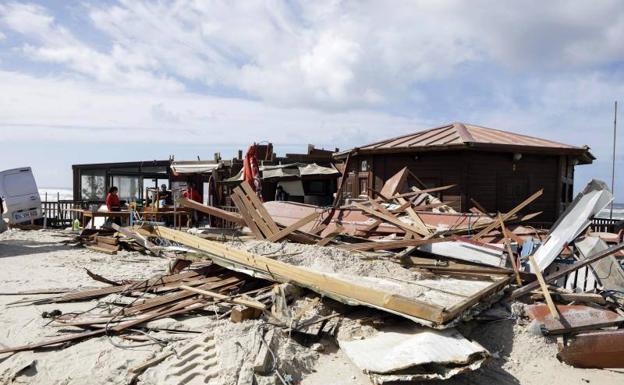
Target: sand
35,260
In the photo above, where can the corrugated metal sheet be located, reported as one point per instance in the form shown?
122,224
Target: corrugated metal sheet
464,134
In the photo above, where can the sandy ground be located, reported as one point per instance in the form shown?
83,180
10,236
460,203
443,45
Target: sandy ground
32,260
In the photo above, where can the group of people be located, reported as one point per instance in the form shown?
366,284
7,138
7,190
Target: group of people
113,203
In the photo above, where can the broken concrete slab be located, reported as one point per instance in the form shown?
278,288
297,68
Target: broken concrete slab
413,354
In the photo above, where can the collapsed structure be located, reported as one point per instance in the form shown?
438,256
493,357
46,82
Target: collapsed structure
397,255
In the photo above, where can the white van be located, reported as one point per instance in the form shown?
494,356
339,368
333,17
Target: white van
20,197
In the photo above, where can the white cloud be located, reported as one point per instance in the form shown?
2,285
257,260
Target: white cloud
51,42
328,54
69,110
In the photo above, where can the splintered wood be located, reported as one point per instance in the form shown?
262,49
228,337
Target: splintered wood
159,297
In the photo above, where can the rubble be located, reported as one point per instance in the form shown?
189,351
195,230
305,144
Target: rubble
391,284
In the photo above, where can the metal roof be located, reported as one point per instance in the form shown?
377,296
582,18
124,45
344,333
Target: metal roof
462,135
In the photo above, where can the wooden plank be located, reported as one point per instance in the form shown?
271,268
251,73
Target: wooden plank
331,236
295,226
424,191
391,219
542,283
260,222
394,183
565,271
259,207
210,210
512,258
391,245
412,214
246,216
481,208
101,249
239,301
137,237
456,310
343,183
509,214
325,284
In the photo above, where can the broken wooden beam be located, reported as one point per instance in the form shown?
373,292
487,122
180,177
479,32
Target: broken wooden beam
509,214
295,226
210,210
391,219
346,291
565,271
551,305
391,245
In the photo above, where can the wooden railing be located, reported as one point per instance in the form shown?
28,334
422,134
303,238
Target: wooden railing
58,213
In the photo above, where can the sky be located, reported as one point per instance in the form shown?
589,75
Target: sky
101,81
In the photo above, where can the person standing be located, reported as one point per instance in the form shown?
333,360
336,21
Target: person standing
192,193
113,203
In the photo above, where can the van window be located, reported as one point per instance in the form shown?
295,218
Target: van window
19,184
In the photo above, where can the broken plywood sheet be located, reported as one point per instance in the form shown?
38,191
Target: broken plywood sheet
594,197
413,354
352,222
572,318
432,302
490,255
608,270
394,184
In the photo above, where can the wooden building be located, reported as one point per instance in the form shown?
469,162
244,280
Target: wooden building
496,168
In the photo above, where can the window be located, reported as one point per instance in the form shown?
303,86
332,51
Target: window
129,188
364,165
93,185
363,186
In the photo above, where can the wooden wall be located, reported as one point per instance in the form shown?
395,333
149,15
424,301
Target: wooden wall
494,179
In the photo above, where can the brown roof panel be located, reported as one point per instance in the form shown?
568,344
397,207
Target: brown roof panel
462,134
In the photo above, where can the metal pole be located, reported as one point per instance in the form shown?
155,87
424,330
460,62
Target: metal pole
613,160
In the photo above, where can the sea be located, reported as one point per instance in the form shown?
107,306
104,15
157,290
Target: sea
67,193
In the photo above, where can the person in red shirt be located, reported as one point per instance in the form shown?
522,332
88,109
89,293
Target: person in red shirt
113,203
112,199
192,193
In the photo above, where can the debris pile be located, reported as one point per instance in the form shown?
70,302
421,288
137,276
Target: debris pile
389,280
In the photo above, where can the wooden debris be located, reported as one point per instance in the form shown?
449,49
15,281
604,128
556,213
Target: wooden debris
287,230
509,214
346,291
210,210
542,283
563,272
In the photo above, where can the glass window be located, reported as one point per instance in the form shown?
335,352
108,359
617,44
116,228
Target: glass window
93,185
129,188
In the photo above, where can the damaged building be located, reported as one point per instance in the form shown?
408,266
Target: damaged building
493,167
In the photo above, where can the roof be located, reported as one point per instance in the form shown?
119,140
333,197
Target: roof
290,171
140,163
195,167
462,135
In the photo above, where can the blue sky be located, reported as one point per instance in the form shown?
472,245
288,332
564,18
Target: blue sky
93,81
